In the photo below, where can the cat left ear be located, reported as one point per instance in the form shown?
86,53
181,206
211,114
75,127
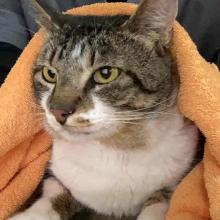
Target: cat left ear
45,16
154,15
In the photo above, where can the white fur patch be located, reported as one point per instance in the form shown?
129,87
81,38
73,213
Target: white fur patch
77,51
99,112
154,212
52,188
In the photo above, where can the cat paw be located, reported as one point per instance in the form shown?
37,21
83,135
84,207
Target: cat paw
31,215
154,212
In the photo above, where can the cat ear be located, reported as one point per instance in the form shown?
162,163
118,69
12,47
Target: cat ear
154,15
45,16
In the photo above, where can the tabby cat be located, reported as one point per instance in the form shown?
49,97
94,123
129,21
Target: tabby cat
108,89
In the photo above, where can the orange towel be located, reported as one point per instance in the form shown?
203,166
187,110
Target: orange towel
24,146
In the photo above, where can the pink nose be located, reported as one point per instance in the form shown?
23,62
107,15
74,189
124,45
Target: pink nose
60,115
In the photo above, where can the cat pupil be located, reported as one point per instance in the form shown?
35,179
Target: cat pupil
106,73
51,74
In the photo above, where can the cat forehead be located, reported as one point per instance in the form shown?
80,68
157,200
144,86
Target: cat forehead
78,44
97,32
109,44
78,27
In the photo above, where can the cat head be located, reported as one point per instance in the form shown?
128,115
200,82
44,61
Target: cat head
96,75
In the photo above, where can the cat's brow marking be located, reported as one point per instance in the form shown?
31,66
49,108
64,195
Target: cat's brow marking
77,51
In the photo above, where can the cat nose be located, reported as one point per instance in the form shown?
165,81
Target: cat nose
60,115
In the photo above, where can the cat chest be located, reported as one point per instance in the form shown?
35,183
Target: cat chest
108,181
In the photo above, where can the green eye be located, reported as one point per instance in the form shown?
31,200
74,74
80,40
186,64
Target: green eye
49,75
106,75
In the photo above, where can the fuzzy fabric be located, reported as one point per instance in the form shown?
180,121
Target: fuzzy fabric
25,147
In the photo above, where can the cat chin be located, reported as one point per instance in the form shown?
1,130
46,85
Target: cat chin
73,136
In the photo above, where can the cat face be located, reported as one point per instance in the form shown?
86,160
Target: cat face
96,75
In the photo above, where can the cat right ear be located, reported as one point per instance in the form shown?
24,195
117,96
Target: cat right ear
45,16
154,16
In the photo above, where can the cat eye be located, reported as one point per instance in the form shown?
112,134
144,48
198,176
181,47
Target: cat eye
106,75
49,75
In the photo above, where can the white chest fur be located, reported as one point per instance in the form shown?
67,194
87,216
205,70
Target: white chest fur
118,181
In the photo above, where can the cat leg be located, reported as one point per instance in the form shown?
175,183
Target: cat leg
56,203
156,206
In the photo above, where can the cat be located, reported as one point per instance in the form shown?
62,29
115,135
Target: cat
108,88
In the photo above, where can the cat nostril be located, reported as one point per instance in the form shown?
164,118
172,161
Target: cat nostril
66,114
60,115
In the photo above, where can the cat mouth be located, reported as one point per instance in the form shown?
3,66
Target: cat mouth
78,130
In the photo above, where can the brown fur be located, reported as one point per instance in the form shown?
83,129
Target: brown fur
159,196
66,206
127,137
70,209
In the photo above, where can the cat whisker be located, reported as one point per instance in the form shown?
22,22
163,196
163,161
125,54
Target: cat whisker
162,103
124,122
131,115
128,119
141,113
